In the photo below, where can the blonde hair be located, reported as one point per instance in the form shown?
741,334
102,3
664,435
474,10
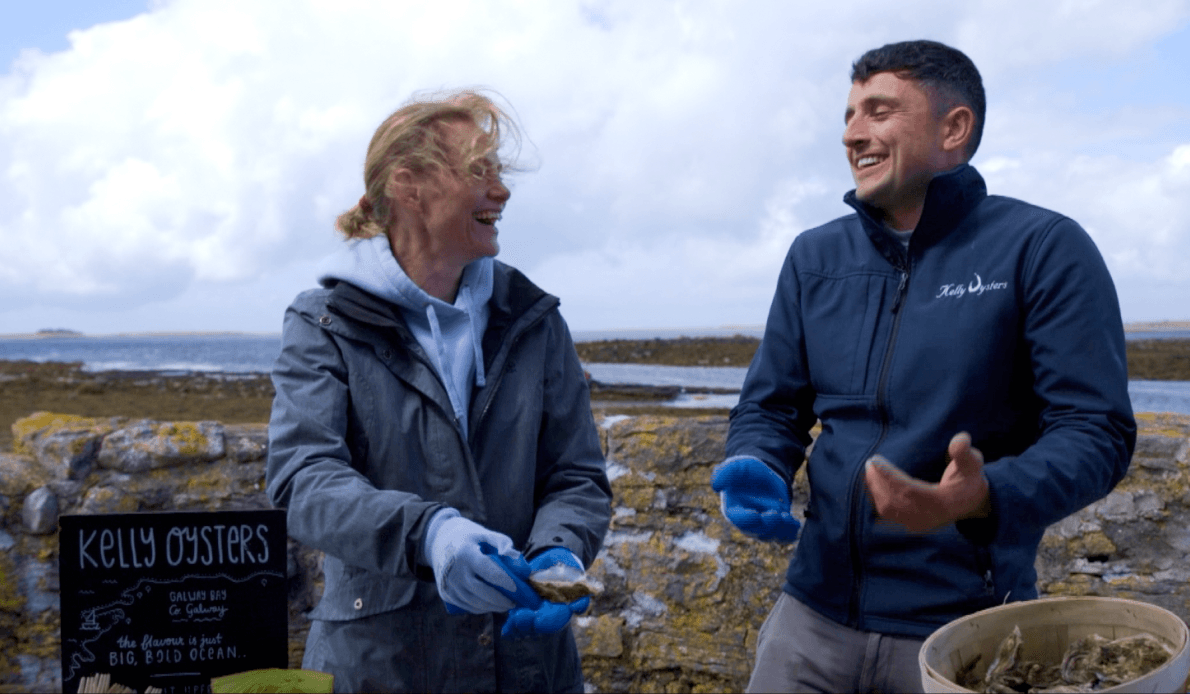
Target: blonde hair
413,138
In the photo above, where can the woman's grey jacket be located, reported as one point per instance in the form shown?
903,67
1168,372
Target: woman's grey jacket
364,448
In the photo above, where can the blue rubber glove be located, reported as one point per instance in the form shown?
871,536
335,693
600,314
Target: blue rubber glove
477,570
549,617
755,499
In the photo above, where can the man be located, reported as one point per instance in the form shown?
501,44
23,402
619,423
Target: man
965,356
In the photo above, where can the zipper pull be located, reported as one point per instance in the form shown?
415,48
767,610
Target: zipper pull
901,290
989,586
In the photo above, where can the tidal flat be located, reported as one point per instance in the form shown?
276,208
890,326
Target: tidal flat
64,387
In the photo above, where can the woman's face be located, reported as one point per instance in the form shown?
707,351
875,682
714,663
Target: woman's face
460,212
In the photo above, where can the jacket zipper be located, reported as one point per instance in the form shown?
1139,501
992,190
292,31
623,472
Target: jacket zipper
499,377
901,291
857,511
984,558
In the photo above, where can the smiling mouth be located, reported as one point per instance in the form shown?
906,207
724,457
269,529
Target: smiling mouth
489,217
868,160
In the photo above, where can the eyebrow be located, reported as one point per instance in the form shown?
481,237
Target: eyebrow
871,100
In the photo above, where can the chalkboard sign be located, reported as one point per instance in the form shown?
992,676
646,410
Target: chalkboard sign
170,600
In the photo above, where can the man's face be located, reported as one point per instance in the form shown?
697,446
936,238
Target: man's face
893,142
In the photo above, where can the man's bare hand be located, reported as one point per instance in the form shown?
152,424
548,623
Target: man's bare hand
920,506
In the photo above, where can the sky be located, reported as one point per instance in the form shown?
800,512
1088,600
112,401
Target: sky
172,165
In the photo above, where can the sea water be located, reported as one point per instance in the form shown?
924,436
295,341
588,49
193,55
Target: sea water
1146,396
252,353
224,352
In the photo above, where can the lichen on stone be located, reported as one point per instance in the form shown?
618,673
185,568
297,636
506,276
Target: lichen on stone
27,430
183,437
685,592
20,474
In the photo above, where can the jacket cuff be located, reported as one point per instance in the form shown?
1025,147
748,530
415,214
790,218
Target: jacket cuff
745,456
432,528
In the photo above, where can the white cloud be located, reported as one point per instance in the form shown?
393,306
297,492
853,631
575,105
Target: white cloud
1137,212
683,279
1004,36
207,145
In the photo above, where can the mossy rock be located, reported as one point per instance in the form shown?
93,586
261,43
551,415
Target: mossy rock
19,475
27,430
183,437
1092,544
600,636
1075,585
667,445
11,603
108,499
11,600
147,445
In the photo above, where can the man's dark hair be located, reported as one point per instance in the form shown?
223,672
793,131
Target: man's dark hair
947,75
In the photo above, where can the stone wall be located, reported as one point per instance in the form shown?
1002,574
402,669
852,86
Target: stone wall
687,593
684,592
69,464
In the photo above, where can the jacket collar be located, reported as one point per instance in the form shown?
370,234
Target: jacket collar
951,196
352,302
515,303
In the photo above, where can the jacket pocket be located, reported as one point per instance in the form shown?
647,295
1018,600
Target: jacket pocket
844,315
353,593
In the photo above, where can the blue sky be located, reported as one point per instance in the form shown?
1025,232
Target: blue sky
178,165
44,24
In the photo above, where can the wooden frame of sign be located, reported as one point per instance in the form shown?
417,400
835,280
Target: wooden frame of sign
170,600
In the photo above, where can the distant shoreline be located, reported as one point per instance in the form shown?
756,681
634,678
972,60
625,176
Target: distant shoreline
1157,326
164,333
579,335
171,393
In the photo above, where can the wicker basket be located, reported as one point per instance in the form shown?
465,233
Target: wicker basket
1048,626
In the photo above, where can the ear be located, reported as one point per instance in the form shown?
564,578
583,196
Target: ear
402,189
957,127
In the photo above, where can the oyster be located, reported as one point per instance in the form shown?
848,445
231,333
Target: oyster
563,583
1113,662
1089,664
1082,658
1005,660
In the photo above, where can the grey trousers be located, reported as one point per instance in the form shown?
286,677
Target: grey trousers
799,650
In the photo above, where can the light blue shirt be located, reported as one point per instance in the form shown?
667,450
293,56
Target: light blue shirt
450,334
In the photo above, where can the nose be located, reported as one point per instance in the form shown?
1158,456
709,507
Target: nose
855,134
499,192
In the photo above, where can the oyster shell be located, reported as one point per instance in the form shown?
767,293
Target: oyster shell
1006,657
563,583
1089,664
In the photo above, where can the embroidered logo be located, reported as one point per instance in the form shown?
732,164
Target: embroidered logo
976,287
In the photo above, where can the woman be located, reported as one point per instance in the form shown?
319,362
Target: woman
432,432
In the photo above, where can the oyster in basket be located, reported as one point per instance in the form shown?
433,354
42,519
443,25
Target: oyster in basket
563,583
1081,662
1006,657
1108,663
1006,673
1089,664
